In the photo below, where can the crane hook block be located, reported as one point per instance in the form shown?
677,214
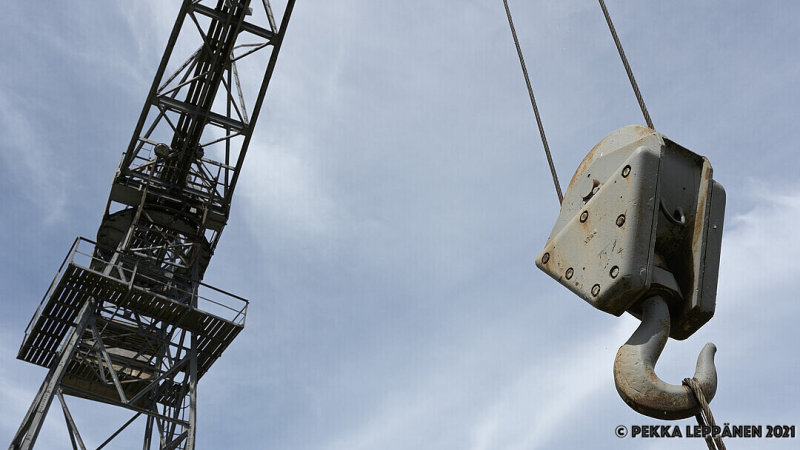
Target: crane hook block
641,215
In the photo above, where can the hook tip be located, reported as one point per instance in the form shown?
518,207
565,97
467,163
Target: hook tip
706,371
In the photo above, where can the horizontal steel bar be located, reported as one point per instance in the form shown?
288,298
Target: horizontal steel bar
70,390
246,26
194,111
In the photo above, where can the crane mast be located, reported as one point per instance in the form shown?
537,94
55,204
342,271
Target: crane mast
127,320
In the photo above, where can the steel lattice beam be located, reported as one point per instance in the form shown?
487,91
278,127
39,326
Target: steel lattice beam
127,320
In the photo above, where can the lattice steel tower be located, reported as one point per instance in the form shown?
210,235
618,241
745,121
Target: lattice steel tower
127,320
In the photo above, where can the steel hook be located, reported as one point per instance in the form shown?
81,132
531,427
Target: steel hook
635,377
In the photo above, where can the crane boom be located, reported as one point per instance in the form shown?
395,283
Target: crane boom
127,320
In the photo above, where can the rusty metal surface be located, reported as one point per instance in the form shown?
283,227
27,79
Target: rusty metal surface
602,162
634,369
640,230
689,235
617,181
603,252
637,194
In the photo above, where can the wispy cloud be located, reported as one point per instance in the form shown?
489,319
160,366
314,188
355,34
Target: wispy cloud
387,225
285,193
29,164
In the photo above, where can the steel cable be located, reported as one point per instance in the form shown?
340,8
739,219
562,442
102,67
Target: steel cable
533,103
627,66
704,417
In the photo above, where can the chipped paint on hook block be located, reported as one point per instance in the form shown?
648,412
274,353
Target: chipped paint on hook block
639,202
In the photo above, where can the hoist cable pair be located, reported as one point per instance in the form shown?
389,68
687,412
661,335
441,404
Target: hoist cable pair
652,310
632,79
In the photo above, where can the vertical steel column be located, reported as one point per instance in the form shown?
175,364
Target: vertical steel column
148,433
190,440
32,423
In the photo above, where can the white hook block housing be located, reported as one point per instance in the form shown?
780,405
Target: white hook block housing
641,214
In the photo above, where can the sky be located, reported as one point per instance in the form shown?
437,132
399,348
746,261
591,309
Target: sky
392,204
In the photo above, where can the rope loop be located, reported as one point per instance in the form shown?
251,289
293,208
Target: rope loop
704,417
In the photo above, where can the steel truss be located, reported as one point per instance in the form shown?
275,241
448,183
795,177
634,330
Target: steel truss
127,320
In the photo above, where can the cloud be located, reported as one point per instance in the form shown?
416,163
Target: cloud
30,168
285,193
489,401
538,406
393,213
761,244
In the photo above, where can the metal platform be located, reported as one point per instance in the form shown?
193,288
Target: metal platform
124,284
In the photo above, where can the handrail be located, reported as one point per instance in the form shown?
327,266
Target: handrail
173,284
129,271
195,188
49,291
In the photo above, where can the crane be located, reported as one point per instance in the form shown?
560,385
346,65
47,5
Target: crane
127,320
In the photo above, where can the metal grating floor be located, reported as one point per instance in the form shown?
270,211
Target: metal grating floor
77,284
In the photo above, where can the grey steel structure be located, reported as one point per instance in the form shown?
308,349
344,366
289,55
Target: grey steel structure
640,230
127,320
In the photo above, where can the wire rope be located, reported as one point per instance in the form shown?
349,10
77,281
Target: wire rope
533,103
627,66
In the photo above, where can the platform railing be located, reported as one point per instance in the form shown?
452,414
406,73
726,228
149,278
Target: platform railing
49,292
133,271
205,181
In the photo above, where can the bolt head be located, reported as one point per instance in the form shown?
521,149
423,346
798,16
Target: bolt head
569,273
621,220
626,171
545,258
584,216
614,272
595,290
